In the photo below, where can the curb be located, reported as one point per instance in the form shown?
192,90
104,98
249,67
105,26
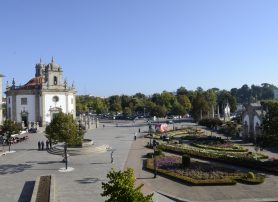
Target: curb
35,190
174,198
52,189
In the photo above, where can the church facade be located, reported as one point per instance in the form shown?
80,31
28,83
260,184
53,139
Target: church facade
41,97
252,120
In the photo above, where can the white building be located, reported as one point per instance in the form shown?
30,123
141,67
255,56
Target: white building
42,97
252,120
1,99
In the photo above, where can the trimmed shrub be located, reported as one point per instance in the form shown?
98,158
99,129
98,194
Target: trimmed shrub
211,122
258,179
149,155
185,161
251,175
158,152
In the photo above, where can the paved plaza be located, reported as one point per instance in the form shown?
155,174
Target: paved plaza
19,170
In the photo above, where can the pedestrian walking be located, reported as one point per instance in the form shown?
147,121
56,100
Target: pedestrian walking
39,145
112,159
139,130
47,144
42,145
135,136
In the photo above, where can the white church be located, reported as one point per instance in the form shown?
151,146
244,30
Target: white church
41,97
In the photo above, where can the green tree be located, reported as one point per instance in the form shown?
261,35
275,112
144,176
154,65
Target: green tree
224,97
178,109
9,128
158,111
64,129
182,91
185,102
270,124
99,105
115,103
121,188
200,106
211,99
127,111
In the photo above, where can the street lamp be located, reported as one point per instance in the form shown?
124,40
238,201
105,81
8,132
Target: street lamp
150,134
66,155
154,161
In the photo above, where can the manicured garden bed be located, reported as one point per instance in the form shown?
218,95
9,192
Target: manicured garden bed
234,158
198,173
220,147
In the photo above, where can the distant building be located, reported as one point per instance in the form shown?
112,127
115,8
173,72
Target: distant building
276,94
42,97
1,99
252,120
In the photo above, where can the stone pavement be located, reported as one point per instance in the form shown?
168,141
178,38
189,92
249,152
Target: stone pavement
19,170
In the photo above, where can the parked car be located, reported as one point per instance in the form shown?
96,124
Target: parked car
32,130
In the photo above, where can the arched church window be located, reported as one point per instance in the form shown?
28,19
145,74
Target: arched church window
55,80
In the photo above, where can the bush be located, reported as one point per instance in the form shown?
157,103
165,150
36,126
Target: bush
158,152
185,161
258,179
211,122
251,175
149,155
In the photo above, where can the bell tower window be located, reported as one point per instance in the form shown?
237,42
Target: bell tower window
55,80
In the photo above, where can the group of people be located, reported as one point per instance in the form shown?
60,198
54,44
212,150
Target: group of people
41,145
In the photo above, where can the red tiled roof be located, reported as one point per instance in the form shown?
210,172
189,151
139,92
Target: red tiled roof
33,82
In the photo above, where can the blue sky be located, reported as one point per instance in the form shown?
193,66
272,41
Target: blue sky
126,46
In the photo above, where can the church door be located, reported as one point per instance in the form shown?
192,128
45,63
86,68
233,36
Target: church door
24,118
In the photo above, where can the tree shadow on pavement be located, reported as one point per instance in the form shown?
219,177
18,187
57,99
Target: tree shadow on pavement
100,163
13,168
27,191
89,180
43,162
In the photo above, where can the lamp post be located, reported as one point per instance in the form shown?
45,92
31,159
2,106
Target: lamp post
154,162
144,112
66,155
150,134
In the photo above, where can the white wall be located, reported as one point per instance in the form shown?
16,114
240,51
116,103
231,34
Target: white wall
256,120
50,104
30,107
246,119
71,105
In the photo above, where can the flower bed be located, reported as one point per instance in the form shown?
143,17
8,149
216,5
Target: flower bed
234,158
197,173
185,132
226,147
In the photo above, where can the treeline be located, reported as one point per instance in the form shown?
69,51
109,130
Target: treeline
196,103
